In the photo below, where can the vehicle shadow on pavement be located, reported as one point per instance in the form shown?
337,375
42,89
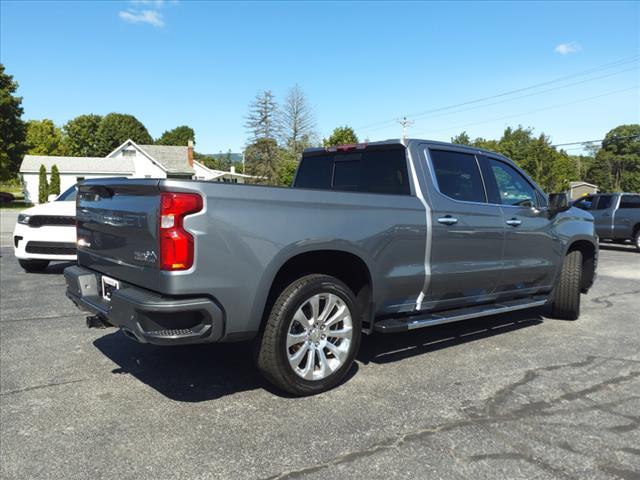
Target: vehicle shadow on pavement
393,347
190,373
198,373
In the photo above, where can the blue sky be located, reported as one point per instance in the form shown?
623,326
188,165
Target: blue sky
363,64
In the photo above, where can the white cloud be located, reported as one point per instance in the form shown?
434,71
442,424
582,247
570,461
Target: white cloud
567,48
152,17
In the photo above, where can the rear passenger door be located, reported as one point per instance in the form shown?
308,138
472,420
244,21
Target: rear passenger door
468,232
627,216
530,249
602,210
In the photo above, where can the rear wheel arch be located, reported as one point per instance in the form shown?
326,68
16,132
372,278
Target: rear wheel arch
347,267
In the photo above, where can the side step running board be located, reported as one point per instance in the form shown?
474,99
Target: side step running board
403,324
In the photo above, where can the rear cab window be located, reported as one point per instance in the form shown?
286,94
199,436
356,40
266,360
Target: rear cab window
458,175
376,169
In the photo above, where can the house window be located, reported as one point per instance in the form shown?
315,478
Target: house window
129,153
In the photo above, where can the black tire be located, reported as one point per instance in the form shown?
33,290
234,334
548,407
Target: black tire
272,358
566,294
33,265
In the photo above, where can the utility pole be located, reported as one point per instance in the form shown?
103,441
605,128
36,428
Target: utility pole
405,124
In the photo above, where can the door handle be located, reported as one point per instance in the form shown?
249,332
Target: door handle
448,220
514,222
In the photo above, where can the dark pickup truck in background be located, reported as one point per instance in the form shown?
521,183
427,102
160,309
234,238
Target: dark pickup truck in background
382,237
617,215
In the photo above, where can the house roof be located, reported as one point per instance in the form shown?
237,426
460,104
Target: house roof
31,164
173,159
580,184
220,173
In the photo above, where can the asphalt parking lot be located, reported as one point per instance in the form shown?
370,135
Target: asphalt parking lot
516,396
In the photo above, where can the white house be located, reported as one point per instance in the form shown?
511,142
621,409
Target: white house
205,173
128,160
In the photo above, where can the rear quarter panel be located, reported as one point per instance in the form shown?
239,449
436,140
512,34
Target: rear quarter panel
246,233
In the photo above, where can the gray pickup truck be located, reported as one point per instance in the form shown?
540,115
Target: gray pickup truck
617,215
382,237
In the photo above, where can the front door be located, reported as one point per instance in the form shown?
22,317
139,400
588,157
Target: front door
468,232
531,252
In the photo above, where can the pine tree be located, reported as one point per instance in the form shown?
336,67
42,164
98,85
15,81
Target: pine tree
43,186
54,187
263,128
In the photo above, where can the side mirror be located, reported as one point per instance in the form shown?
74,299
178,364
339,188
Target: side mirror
52,197
559,202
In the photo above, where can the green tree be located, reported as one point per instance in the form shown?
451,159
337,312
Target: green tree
228,160
81,136
116,128
616,166
261,160
12,129
340,136
461,139
54,187
43,185
287,165
178,136
44,138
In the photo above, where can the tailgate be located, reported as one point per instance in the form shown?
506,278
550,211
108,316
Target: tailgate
118,229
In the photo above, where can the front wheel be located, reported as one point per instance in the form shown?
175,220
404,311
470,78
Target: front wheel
311,337
566,294
33,265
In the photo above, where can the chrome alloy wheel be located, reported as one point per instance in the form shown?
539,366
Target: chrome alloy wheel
319,336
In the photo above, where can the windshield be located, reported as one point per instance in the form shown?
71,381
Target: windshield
69,195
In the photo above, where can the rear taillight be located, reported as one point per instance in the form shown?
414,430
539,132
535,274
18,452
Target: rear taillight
176,244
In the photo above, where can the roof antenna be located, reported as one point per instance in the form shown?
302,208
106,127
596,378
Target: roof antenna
405,124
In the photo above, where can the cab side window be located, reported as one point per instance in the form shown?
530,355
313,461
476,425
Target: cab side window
458,176
604,202
514,189
630,201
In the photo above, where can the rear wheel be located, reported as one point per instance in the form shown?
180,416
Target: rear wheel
311,337
636,240
566,294
33,265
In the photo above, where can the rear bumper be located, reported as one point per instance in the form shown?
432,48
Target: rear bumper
145,315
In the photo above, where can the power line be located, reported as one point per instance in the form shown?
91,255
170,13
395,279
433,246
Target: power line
514,98
605,66
593,141
537,110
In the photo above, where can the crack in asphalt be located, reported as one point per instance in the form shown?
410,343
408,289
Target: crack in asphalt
603,299
488,415
45,385
29,319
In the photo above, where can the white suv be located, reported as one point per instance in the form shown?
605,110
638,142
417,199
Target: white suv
46,232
